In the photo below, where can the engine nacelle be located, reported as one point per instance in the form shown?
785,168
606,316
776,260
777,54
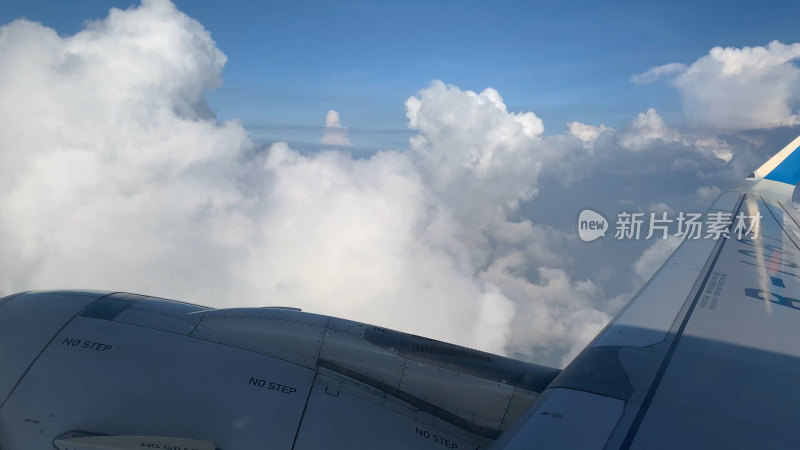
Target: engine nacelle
124,364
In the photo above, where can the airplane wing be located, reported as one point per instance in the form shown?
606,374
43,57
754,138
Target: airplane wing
704,356
707,354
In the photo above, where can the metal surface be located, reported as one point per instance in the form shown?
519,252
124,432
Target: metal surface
344,414
131,443
121,364
520,401
567,419
113,378
498,368
291,341
742,339
25,330
174,317
649,316
350,352
710,361
479,401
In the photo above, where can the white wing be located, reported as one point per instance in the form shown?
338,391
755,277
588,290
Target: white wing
706,355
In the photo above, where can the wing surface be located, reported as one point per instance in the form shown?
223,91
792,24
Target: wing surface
707,354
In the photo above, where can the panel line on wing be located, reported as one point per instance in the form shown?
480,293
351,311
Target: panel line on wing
50,341
637,421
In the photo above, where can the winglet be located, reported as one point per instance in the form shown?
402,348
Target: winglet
778,177
784,166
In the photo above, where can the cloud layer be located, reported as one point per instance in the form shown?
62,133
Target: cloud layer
114,174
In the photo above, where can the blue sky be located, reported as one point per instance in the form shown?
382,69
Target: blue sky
291,61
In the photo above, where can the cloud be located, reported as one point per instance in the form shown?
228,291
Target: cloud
559,317
707,194
473,151
659,207
588,134
654,256
334,133
717,147
116,175
646,128
109,152
738,88
655,73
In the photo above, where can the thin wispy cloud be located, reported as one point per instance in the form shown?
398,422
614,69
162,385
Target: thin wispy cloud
659,72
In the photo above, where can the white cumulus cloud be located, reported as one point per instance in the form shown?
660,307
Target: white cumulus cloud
655,255
645,128
738,88
707,194
115,175
659,207
588,134
334,133
473,149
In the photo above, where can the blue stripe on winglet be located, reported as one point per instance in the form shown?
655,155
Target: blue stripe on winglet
788,171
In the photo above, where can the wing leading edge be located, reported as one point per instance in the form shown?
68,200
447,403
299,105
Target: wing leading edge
706,354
